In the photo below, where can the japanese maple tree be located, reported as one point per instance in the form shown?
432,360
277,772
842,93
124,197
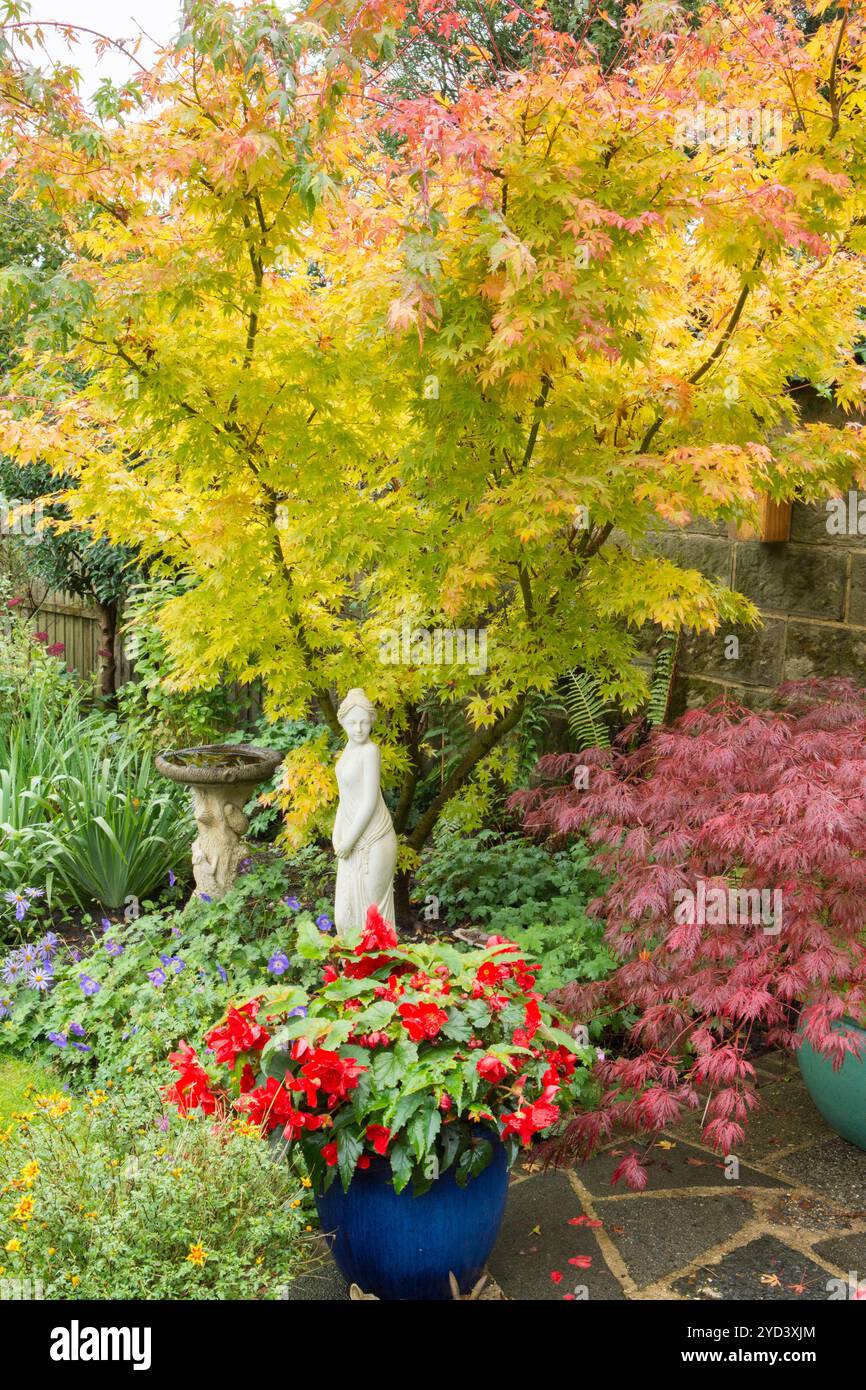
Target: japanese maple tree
694,824
355,359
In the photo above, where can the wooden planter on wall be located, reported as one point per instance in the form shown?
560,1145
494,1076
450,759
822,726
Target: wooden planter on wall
774,523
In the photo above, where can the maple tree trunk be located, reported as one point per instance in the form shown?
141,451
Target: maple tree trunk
108,665
402,906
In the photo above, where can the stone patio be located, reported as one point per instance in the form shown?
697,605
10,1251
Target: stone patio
791,1222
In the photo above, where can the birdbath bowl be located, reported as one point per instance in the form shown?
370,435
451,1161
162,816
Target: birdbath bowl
221,777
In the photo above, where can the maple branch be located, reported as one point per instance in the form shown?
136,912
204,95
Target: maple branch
834,96
481,745
410,781
717,351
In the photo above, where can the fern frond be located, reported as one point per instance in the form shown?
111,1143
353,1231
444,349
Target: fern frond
587,710
662,679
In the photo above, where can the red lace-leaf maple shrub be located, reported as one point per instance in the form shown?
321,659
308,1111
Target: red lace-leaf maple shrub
724,801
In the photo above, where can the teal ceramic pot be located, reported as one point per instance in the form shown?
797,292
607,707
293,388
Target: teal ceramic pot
840,1096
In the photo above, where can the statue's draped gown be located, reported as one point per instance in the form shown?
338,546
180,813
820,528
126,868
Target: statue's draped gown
366,877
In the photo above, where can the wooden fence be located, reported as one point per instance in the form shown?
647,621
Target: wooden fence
68,619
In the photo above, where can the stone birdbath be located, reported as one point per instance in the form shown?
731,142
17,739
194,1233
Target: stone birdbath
221,777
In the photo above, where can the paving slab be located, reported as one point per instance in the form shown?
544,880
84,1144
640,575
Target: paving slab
834,1167
321,1281
847,1252
765,1270
807,1211
782,1062
536,1242
671,1163
785,1118
655,1236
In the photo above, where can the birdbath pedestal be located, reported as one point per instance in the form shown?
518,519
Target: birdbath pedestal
221,777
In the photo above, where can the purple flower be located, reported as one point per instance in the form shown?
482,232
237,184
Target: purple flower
278,963
292,904
324,923
77,1030
106,924
13,968
75,954
5,1008
221,971
206,897
299,1012
41,977
82,1047
171,878
245,865
157,977
48,945
89,985
114,948
59,1039
22,900
162,1123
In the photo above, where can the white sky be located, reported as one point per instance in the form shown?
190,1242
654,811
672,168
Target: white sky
118,19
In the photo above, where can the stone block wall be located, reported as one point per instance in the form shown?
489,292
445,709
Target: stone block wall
811,591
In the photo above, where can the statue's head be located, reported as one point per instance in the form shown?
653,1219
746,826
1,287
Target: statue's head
357,716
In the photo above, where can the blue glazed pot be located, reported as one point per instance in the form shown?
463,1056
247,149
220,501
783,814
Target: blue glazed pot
840,1096
402,1247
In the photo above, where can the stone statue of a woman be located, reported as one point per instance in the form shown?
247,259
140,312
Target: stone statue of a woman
364,840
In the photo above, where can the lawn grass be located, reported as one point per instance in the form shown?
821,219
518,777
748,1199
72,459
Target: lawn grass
15,1076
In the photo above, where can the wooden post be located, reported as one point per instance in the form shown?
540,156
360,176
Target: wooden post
774,523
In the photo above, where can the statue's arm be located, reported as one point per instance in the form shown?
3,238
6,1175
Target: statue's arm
368,800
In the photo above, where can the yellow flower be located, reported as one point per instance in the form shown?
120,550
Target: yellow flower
260,1259
74,1280
295,1203
24,1210
97,1098
177,1172
30,1172
197,1254
247,1129
54,1103
13,1245
51,1250
305,1182
91,1216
